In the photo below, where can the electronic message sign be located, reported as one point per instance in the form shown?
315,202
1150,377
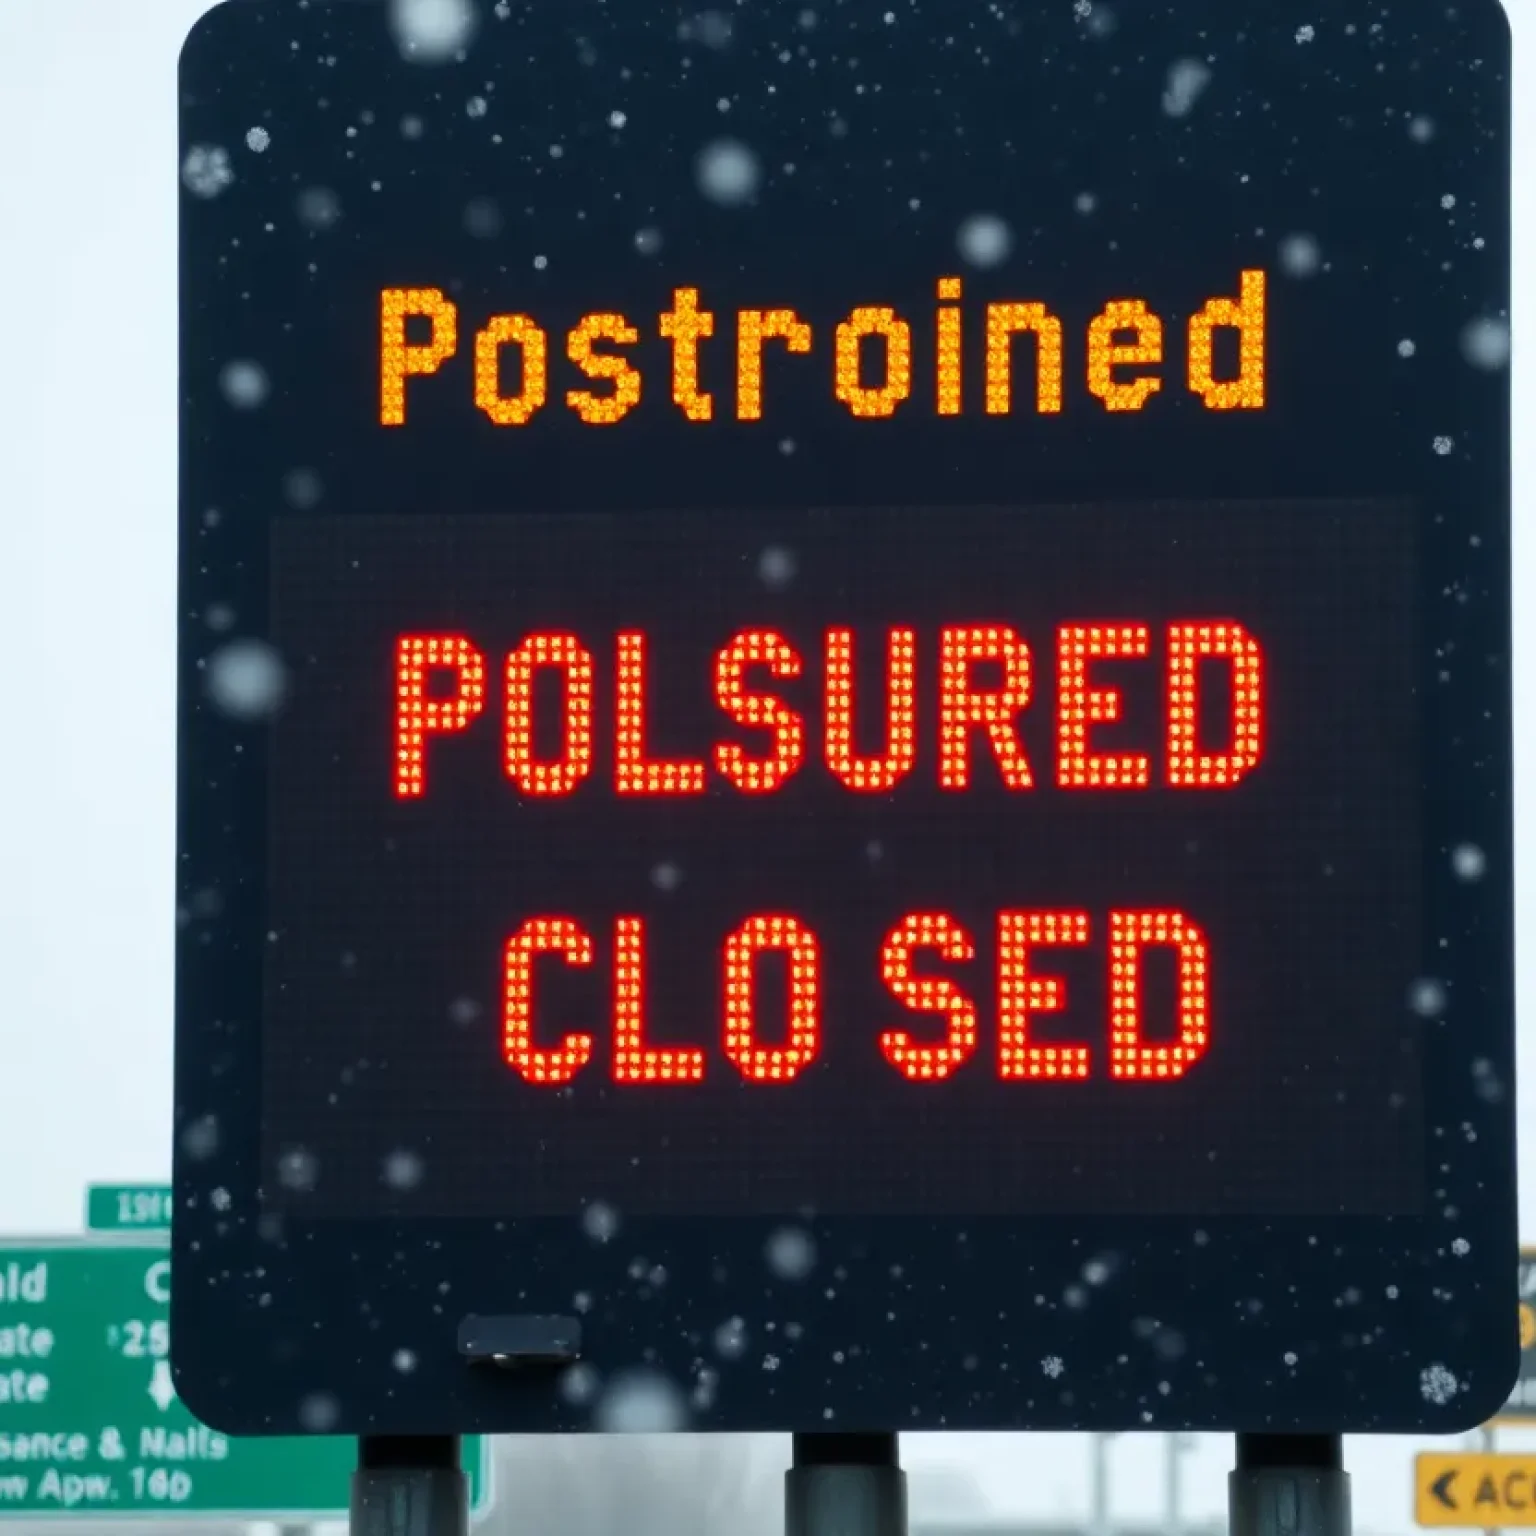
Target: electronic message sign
845,716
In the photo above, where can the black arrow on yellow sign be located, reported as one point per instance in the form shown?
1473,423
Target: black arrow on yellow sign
1487,1490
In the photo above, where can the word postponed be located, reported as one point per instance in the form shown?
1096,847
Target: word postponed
874,364
441,683
1021,995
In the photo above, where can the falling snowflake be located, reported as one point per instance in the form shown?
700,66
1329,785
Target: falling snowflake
641,1402
1300,255
303,489
200,1140
712,28
1186,80
432,31
1468,861
404,1169
731,1339
257,140
579,1385
1438,1385
298,1168
318,1412
482,218
1053,1366
984,240
791,1253
1485,343
246,680
600,1221
727,173
1427,998
318,207
244,384
1443,445
1486,1082
1306,33
206,171
776,568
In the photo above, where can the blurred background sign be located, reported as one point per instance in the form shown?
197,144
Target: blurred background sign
1521,1407
1478,1489
128,1208
90,1421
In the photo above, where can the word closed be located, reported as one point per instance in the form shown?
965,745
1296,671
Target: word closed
1022,993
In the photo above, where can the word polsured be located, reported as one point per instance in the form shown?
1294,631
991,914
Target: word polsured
872,355
441,681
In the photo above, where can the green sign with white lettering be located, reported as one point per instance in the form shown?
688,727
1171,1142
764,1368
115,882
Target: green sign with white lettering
128,1208
90,1424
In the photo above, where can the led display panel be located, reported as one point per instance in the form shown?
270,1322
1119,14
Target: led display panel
831,703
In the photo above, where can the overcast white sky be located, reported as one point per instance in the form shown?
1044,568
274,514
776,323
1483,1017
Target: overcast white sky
87,607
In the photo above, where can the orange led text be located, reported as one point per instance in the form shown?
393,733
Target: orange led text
997,358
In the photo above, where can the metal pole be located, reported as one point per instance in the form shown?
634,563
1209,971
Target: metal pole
845,1485
409,1485
1289,1485
1490,1445
1098,1486
1173,1485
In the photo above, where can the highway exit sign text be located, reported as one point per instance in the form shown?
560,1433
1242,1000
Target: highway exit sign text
90,1422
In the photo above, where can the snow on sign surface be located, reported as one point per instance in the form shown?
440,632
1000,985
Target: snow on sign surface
845,717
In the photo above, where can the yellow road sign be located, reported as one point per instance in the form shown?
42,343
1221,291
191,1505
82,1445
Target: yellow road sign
1468,1488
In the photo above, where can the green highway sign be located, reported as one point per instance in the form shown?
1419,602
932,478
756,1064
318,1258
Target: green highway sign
90,1423
128,1208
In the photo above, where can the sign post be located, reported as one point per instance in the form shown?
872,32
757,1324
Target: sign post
836,671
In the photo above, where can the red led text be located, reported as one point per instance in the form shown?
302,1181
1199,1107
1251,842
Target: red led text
988,677
923,963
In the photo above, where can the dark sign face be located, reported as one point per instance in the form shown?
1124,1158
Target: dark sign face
845,712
